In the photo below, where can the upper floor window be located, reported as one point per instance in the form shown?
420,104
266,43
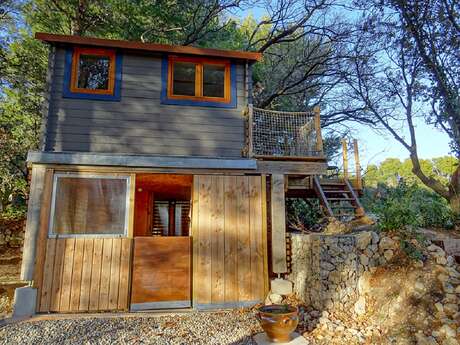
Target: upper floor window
92,73
199,81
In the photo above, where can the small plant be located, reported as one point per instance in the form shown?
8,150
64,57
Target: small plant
302,214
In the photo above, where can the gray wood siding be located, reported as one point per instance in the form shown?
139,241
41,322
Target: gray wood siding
139,124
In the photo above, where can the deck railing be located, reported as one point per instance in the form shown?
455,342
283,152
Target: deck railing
288,135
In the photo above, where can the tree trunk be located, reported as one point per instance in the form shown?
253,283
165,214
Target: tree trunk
454,193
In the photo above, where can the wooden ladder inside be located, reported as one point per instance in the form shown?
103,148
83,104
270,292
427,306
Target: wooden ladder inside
338,198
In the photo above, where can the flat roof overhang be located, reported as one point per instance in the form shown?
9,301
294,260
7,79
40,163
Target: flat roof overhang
152,47
139,161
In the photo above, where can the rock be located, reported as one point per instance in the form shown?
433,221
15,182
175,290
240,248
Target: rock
423,340
441,260
364,283
364,260
448,331
387,243
363,239
439,307
360,306
457,289
281,286
450,308
388,254
434,248
450,341
275,298
375,238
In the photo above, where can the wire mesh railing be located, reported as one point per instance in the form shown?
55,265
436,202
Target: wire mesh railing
285,134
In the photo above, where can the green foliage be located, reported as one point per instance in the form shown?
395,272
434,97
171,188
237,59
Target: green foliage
407,206
391,170
302,214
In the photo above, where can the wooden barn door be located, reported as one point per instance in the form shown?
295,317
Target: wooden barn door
229,241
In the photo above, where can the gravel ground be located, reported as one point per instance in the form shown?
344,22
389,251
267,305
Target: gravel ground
232,327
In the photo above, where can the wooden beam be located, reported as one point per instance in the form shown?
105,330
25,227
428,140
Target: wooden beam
319,138
33,222
345,158
92,159
278,210
264,232
359,184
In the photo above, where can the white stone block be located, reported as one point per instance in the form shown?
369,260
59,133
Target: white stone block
297,339
25,300
281,286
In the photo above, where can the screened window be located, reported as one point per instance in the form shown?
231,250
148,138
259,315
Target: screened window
96,205
93,71
199,79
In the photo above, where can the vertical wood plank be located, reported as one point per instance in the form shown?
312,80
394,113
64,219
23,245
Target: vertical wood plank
96,274
132,193
264,232
255,225
217,240
357,164
196,284
204,254
42,242
56,288
319,137
125,269
278,224
345,157
86,275
76,274
114,274
105,274
46,286
67,274
243,249
230,240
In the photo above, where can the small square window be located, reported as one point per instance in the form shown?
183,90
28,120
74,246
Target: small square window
198,81
92,73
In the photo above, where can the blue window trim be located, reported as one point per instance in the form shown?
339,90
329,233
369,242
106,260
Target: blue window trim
164,90
80,95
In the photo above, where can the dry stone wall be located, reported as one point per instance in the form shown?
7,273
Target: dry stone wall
326,269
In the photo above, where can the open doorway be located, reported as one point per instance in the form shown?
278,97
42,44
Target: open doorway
161,275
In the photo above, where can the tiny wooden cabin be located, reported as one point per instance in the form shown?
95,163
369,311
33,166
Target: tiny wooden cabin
158,185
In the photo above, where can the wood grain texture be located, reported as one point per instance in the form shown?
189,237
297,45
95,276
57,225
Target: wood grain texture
229,265
74,272
278,224
161,269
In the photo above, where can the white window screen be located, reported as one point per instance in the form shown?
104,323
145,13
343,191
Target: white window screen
90,205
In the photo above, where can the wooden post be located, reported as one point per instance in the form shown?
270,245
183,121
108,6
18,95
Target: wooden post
319,138
33,222
357,165
278,224
345,158
250,130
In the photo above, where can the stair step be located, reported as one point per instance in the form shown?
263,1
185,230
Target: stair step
335,191
343,207
340,199
332,183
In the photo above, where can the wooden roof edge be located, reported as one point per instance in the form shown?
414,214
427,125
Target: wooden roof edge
155,47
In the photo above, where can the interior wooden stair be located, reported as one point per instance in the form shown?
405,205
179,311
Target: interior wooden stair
338,198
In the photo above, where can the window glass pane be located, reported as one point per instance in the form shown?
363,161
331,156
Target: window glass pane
93,72
213,80
184,79
90,206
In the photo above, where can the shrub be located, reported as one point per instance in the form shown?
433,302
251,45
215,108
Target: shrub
302,214
407,205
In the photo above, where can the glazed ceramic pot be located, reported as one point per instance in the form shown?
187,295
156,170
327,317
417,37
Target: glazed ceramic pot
278,321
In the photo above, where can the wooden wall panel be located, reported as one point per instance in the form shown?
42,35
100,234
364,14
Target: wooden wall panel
227,230
86,274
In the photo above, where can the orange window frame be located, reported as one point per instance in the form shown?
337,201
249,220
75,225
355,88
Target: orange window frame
98,52
199,63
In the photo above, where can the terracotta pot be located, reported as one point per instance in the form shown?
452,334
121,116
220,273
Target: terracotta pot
278,321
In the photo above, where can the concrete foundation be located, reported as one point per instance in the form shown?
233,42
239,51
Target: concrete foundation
296,339
25,301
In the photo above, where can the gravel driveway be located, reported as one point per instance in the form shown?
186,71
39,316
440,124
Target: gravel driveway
229,327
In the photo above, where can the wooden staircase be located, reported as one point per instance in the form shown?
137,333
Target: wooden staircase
338,198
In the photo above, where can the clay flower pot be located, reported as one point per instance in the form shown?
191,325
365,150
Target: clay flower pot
278,321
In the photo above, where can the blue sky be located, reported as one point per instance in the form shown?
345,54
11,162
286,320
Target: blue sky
377,146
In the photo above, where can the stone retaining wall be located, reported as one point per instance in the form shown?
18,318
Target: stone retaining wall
12,233
326,269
